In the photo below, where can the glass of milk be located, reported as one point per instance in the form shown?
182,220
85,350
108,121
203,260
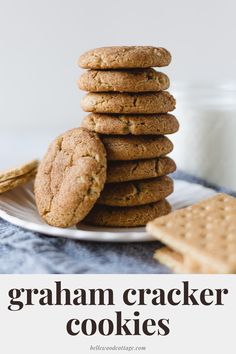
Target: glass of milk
205,145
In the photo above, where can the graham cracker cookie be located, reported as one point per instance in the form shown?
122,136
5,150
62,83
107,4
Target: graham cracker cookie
125,57
70,177
123,171
18,180
133,147
102,215
141,124
149,102
200,238
18,171
132,80
128,194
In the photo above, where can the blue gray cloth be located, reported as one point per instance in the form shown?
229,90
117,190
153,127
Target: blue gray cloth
23,251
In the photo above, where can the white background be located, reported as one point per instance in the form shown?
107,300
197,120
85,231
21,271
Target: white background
41,40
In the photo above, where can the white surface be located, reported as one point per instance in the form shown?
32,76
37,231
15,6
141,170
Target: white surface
18,207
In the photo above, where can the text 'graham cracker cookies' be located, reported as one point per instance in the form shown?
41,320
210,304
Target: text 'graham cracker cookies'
200,238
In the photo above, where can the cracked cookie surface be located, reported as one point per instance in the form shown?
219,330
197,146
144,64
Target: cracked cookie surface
150,102
128,194
139,124
125,57
102,215
123,171
131,147
70,177
132,80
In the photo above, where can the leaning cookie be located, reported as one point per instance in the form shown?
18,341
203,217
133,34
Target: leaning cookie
124,171
125,57
128,194
133,147
149,102
133,80
70,177
139,124
102,215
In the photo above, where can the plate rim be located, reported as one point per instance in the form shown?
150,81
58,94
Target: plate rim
125,235
83,235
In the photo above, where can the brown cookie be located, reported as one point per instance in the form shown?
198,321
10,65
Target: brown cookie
149,102
17,181
70,177
124,57
133,147
123,171
102,215
133,80
153,124
128,194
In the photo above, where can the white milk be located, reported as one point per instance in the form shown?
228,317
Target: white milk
205,145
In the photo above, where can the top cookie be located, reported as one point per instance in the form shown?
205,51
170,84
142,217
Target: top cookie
125,57
70,177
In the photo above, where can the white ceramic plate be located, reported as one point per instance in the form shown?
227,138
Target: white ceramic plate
18,207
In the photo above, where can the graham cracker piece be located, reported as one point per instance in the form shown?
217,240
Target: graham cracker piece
179,263
200,238
17,181
18,171
169,258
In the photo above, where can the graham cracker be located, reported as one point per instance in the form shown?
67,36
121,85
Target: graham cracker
18,171
179,263
12,183
200,238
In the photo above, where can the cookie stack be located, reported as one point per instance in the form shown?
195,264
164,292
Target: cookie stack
129,105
